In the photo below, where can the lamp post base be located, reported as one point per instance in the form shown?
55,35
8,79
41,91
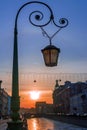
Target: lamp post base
18,125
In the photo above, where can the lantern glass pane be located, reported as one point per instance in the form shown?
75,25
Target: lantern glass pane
46,56
50,57
54,56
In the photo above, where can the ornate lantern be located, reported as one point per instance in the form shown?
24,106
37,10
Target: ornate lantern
50,55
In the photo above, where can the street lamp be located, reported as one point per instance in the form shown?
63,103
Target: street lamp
50,54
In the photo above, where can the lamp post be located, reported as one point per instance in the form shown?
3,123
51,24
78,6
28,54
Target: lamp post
50,54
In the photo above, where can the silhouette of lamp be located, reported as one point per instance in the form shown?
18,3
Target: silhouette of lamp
50,54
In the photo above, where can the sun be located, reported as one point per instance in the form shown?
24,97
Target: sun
34,95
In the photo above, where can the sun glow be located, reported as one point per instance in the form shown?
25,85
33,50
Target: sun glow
34,95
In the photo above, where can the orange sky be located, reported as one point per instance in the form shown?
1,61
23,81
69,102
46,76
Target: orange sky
45,83
27,102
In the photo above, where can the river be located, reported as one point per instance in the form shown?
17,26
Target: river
46,124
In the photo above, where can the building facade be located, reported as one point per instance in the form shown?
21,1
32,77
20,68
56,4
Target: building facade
61,96
43,108
70,98
78,98
40,107
5,102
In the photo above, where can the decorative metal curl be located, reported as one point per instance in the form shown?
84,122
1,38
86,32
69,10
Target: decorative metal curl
38,15
63,23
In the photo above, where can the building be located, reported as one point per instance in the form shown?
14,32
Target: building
78,98
0,100
43,108
61,96
40,107
5,101
9,105
70,98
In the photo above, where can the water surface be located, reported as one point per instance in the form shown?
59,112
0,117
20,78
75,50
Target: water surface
46,124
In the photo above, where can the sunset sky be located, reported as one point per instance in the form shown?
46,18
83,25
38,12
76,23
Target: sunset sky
71,40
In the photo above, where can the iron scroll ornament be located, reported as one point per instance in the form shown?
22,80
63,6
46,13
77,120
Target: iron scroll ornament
39,16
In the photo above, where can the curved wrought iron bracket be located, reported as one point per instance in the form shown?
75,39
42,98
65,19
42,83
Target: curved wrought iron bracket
49,37
39,16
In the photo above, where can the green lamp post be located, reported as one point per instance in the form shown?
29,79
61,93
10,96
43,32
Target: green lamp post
50,54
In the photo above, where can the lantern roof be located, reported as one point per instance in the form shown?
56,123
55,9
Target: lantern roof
51,47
